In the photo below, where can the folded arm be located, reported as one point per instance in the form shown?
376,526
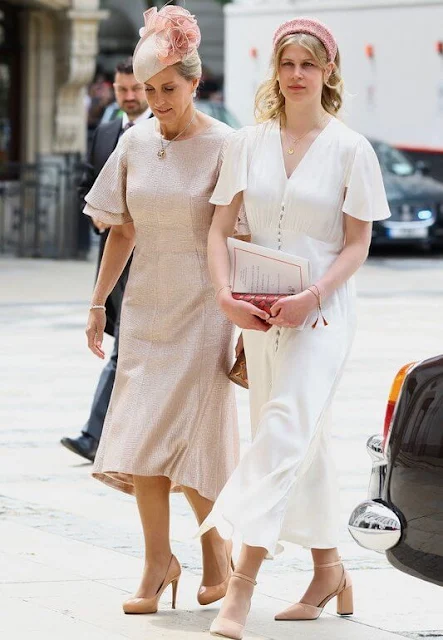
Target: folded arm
291,312
358,235
243,314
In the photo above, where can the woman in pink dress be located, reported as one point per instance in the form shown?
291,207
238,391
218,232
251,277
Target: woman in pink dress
171,422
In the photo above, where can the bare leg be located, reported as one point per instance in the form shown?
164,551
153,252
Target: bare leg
237,601
214,558
325,580
152,495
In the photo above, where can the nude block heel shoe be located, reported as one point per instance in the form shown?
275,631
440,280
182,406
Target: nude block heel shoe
224,628
343,593
150,605
208,595
345,601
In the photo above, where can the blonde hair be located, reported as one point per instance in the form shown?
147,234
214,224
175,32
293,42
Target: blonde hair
269,100
190,67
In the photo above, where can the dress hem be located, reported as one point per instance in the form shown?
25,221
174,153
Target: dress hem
115,480
278,548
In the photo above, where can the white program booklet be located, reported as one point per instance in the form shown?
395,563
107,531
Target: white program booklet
256,269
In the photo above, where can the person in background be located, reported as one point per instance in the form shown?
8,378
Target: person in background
100,95
130,96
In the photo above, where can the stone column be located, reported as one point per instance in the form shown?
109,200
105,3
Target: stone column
77,46
38,84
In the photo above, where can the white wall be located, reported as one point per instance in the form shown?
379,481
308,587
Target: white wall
210,18
397,96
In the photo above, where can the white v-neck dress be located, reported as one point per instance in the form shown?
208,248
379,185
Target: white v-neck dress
285,487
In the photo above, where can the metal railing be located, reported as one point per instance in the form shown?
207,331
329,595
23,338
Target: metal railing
40,209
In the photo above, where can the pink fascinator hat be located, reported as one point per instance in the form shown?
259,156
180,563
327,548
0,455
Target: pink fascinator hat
169,35
313,28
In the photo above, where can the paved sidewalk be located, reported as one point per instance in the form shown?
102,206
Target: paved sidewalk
71,548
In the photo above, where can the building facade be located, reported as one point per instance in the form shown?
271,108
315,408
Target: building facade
392,62
49,53
47,57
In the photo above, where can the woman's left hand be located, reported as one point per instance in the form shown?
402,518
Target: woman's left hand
292,311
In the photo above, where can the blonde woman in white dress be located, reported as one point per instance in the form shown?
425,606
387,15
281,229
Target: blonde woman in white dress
312,187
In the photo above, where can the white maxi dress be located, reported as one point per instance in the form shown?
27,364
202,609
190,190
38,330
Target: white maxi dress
285,487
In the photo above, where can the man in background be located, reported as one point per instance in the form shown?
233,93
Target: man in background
131,99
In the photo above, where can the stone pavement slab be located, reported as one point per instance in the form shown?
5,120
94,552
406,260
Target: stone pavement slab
71,548
22,619
65,603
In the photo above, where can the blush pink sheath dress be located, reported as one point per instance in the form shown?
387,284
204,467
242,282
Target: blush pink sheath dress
172,411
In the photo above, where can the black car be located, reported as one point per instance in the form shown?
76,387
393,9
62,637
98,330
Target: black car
403,516
415,200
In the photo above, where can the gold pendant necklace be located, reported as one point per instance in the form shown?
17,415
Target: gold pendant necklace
295,141
162,152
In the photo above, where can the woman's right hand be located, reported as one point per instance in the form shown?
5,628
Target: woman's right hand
95,330
243,314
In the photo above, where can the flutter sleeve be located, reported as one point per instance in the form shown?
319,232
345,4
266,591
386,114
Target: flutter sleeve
365,197
106,201
233,176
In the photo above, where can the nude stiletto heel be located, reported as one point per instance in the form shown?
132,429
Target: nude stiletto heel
208,595
343,593
150,605
224,628
174,593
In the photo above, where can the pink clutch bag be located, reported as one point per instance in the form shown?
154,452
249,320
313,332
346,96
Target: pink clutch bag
264,301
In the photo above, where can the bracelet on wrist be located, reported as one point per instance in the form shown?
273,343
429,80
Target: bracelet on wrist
317,295
97,306
225,286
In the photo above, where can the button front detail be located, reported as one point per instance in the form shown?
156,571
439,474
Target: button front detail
279,230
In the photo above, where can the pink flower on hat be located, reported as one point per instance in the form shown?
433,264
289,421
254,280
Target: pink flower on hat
176,30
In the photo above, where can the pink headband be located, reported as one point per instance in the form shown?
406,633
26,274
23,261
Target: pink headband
311,27
169,35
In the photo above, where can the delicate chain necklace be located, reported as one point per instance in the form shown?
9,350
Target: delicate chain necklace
162,152
295,141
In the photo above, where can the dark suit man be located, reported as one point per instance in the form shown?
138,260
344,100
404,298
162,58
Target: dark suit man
130,96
